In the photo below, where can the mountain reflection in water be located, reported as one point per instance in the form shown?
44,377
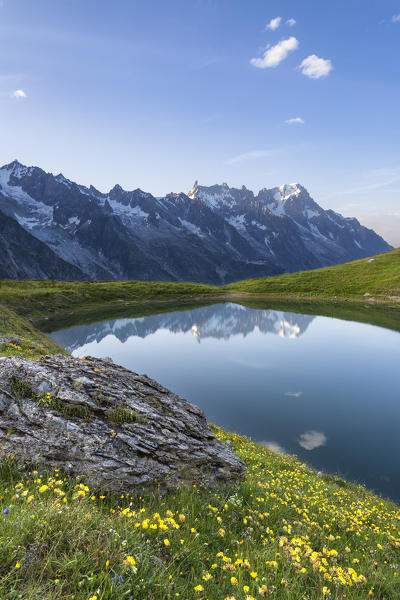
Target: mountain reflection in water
220,321
321,388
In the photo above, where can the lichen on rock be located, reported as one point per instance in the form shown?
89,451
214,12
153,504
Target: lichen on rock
117,429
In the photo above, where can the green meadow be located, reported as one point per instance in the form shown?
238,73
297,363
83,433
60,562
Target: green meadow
286,532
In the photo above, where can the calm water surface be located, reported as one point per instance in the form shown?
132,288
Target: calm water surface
325,389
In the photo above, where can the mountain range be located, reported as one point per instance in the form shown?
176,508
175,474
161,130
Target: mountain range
51,227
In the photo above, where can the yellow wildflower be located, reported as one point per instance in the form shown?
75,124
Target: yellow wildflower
253,574
128,562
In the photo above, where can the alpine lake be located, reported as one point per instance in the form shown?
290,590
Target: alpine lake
324,388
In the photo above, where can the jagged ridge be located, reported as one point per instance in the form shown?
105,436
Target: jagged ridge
213,234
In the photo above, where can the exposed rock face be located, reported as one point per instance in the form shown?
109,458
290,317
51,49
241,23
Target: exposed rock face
118,429
23,256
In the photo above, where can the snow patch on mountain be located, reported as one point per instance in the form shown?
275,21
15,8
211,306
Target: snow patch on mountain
238,221
309,213
289,190
268,244
190,227
277,207
259,225
315,230
127,210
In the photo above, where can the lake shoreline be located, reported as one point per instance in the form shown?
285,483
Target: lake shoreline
282,497
327,300
33,329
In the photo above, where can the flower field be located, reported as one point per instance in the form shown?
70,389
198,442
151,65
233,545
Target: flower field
284,533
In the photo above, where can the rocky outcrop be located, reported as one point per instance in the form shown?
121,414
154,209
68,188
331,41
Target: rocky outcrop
117,429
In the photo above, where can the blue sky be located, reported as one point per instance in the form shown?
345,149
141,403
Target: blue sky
156,94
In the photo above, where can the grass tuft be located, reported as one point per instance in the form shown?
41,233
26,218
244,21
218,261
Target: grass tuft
120,415
21,389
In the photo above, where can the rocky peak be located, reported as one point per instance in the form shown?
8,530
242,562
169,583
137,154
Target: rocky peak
13,165
17,169
290,190
116,191
194,189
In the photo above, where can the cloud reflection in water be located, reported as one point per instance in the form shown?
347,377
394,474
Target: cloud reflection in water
312,439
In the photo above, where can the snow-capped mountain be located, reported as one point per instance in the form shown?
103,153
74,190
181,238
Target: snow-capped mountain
220,321
213,234
290,226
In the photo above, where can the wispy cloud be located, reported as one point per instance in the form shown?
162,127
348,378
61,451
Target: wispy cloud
375,179
209,61
275,54
396,19
312,439
274,23
248,156
291,22
18,94
294,394
315,67
295,120
10,76
210,118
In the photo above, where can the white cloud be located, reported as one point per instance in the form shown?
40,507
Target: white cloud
291,22
315,67
276,54
19,94
295,120
294,394
274,446
274,23
396,19
312,439
248,156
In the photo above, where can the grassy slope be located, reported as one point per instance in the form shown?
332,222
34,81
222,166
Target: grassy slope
380,278
33,343
284,533
38,297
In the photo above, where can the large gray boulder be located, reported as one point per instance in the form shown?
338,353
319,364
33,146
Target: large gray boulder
117,429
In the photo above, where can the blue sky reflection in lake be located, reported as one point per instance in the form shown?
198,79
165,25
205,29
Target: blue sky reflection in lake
325,389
